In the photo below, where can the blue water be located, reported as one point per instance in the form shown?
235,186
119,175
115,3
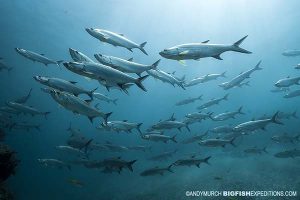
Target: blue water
51,27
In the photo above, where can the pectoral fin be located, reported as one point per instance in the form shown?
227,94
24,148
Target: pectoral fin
184,53
217,57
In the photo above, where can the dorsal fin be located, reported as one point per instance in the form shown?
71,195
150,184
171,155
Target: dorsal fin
206,41
121,34
42,54
288,77
125,120
130,59
73,82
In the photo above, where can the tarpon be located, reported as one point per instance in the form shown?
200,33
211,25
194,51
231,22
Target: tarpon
76,105
255,150
169,124
118,163
158,138
54,163
122,125
166,77
191,161
196,51
105,98
228,115
78,56
291,53
188,100
26,109
212,102
288,154
195,138
287,82
238,80
285,138
291,94
105,74
156,171
256,124
115,39
63,85
37,57
200,116
216,142
127,66
163,156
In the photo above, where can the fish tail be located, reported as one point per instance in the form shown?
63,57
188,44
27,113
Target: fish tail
223,74
275,120
154,65
139,82
106,115
169,168
129,164
141,47
46,114
206,160
91,93
236,46
115,101
139,127
174,138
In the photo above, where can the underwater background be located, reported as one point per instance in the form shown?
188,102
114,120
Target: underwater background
52,27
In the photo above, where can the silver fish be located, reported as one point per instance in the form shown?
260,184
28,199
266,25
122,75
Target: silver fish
41,58
196,51
115,39
127,66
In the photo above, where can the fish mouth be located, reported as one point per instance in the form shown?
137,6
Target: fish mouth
89,30
67,65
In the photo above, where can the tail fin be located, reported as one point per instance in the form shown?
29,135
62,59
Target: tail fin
46,114
274,119
231,141
223,74
235,46
257,66
240,110
174,138
106,115
141,47
139,82
139,127
200,97
129,165
181,84
154,65
206,160
169,168
115,101
226,97
92,92
86,145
